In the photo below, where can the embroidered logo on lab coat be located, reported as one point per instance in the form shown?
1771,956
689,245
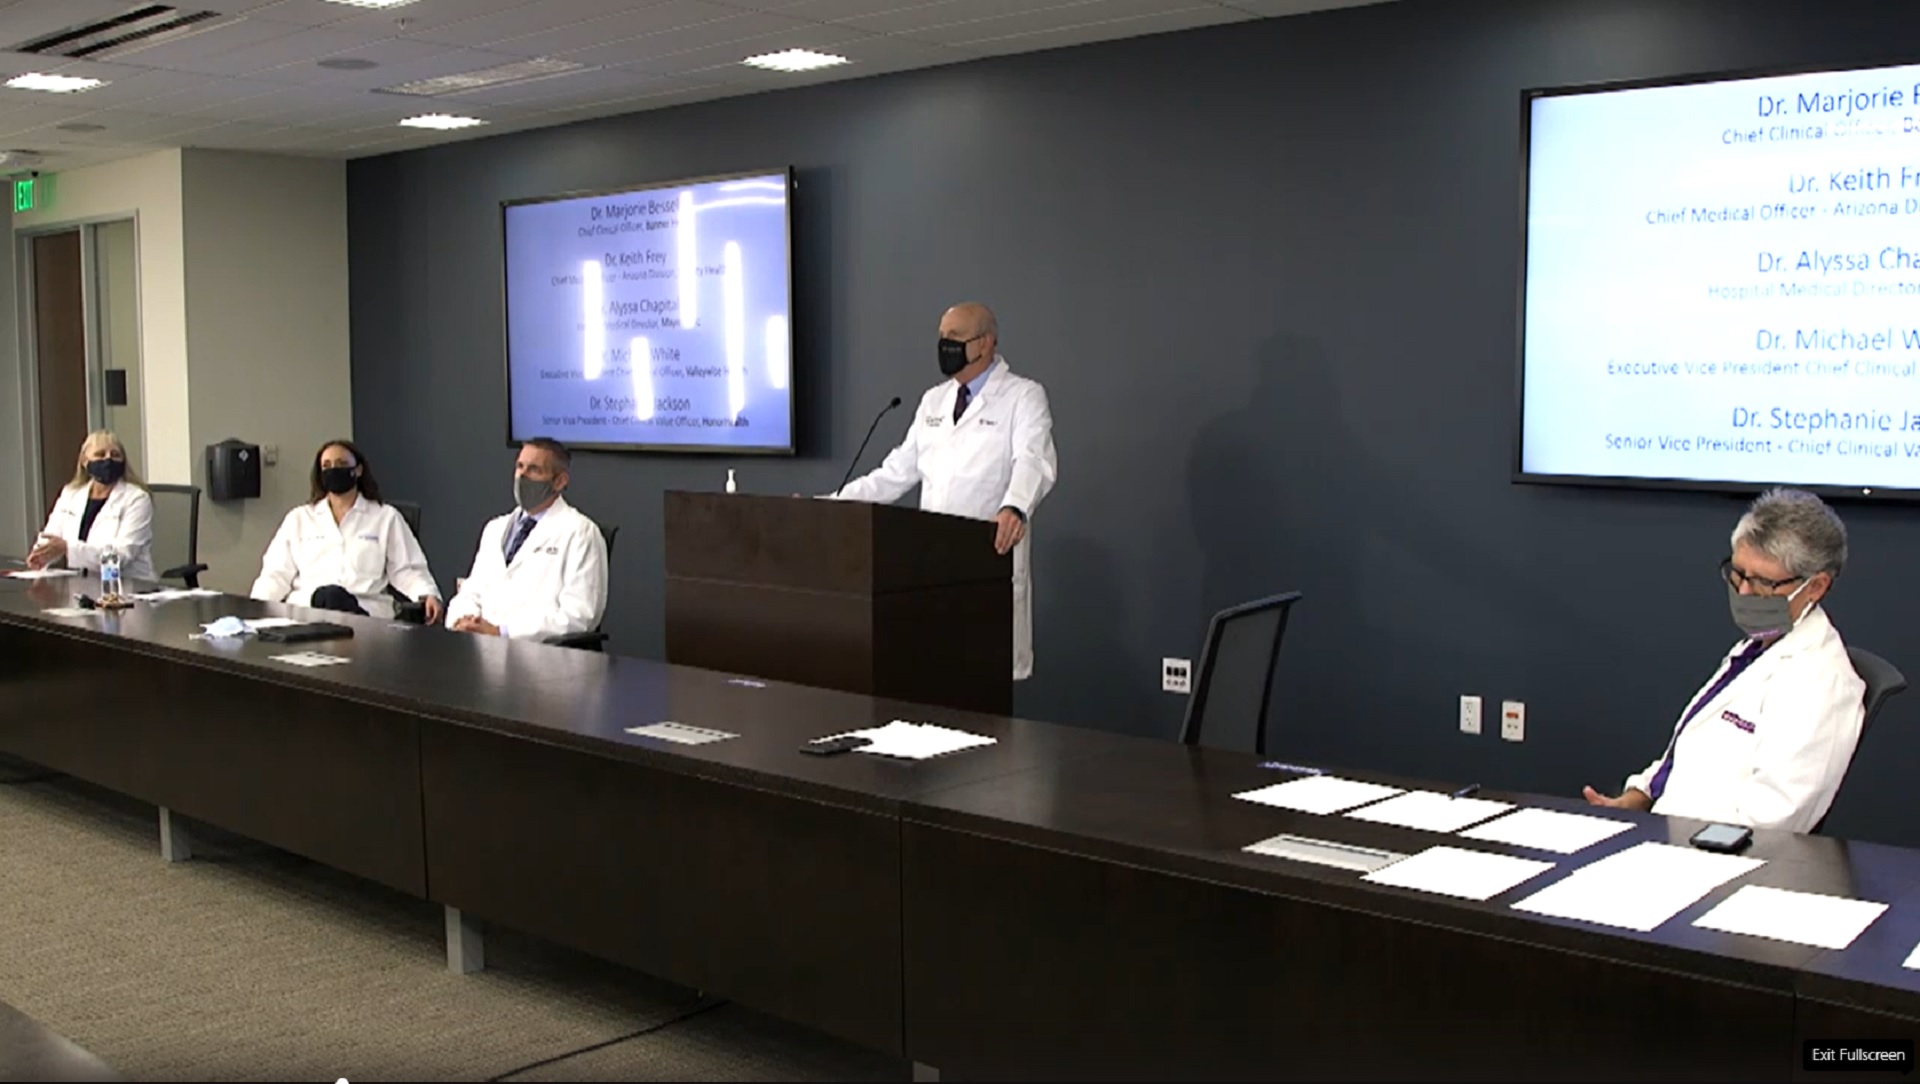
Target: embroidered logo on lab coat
1737,721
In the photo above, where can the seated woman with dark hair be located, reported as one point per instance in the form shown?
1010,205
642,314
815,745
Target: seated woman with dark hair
342,551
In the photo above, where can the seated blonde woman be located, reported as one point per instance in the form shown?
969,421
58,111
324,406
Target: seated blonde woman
104,507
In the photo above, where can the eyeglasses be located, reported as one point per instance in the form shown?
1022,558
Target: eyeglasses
1737,579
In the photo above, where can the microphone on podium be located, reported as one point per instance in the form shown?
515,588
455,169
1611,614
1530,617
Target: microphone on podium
863,444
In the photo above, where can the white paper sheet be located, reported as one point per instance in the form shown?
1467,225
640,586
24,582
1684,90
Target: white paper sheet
1804,918
1431,811
1452,871
168,594
271,623
917,741
1547,830
1321,794
42,573
1638,888
71,611
680,733
311,658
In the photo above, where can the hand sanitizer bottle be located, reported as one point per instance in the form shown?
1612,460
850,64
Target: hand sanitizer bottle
731,487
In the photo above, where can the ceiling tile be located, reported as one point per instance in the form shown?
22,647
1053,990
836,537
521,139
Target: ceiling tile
134,126
303,12
593,85
177,52
520,21
1109,30
1052,17
388,54
1294,7
745,27
654,20
839,40
26,20
926,14
213,92
827,11
426,15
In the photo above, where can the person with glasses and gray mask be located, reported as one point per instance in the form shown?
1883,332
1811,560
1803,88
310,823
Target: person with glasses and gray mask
1766,743
541,569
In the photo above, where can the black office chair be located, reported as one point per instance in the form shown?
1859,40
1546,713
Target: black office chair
405,609
1233,689
597,639
176,533
1884,681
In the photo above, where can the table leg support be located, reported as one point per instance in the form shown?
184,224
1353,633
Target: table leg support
466,944
176,845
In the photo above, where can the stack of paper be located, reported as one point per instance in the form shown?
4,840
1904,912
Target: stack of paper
1451,871
1546,830
1804,918
681,733
311,658
168,594
1638,888
917,741
1430,811
42,573
1321,794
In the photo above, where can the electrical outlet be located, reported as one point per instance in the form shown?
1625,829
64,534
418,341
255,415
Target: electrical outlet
270,455
1176,675
1513,720
1469,715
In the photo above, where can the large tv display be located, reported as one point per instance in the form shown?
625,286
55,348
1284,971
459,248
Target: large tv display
656,318
1721,284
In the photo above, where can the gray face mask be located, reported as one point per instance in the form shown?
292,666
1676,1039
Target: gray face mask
530,493
1763,616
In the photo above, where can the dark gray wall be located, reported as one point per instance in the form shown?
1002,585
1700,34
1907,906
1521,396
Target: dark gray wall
1267,273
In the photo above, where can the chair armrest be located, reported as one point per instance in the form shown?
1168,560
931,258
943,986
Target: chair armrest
585,641
189,573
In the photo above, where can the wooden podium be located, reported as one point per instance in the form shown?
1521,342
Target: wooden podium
865,598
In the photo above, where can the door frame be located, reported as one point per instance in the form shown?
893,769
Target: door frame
91,317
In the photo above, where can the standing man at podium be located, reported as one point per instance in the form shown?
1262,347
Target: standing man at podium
980,446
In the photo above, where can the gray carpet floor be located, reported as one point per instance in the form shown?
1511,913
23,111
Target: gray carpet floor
248,963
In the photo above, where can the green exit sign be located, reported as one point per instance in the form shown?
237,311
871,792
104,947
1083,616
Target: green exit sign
23,194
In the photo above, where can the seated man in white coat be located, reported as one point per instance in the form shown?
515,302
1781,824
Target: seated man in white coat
541,570
1769,739
981,446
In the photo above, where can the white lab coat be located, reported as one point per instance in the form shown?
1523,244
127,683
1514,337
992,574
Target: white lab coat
1771,750
125,522
556,585
366,551
1000,454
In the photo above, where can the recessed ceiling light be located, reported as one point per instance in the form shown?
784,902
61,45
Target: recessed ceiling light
347,64
372,3
794,60
440,121
54,84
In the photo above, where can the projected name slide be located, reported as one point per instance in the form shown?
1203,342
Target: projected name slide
1723,282
653,318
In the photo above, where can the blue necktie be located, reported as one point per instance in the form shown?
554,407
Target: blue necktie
960,402
1734,669
520,534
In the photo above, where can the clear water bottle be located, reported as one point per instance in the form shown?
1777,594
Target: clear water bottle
109,573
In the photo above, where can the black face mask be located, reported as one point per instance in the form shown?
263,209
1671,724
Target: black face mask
338,479
106,471
953,355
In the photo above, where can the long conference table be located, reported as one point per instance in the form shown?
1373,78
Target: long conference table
1064,903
